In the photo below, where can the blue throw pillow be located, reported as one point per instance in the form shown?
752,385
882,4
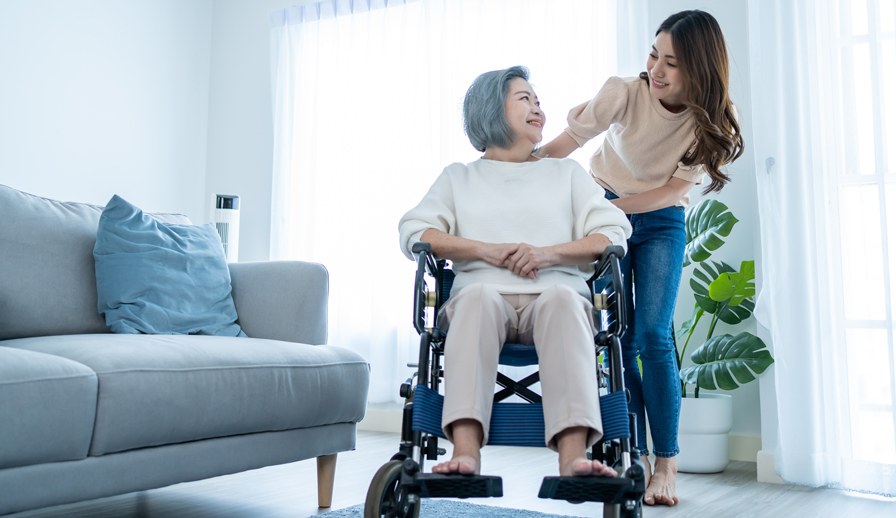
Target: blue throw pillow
159,278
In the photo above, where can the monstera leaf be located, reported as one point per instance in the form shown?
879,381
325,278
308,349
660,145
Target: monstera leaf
706,223
700,283
725,358
733,288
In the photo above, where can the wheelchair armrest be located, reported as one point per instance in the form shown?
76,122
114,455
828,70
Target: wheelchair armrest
424,258
421,246
609,265
602,266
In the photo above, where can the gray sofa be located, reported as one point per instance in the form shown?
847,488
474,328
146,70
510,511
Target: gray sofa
85,413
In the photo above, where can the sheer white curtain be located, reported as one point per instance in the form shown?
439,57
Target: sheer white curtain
633,37
367,109
825,140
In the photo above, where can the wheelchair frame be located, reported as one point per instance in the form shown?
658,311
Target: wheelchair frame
399,485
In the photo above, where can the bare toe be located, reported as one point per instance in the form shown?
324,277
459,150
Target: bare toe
463,464
585,468
602,470
467,466
581,468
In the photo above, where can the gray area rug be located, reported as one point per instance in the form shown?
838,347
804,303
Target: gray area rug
434,508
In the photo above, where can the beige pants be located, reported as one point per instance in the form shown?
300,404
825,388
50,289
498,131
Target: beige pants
559,323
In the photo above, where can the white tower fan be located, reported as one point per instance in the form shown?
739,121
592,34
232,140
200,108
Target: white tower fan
227,221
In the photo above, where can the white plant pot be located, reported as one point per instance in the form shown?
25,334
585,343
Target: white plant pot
703,428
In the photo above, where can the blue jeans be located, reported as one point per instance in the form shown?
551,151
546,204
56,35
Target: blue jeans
652,272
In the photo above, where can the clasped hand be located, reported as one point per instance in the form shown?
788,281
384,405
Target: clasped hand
520,258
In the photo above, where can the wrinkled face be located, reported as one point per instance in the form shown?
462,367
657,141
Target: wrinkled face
665,76
523,112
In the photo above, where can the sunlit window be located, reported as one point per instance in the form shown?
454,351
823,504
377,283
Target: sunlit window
862,192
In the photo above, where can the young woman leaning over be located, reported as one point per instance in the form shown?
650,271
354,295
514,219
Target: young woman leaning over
665,130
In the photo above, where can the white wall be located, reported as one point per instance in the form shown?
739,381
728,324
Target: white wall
241,134
103,97
739,195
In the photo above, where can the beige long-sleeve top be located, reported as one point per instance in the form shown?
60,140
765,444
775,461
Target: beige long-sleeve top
543,203
645,142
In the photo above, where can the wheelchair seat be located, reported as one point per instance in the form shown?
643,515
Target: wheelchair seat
518,355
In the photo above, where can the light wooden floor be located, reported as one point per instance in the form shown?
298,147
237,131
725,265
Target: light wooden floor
291,491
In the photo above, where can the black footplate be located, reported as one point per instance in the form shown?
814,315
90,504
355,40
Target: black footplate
590,489
435,485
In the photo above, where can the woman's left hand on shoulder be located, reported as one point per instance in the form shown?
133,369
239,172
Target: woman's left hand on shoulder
528,259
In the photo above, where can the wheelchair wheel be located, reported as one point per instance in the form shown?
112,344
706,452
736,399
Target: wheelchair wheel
384,498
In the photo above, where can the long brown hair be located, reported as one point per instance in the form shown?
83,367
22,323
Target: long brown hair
703,60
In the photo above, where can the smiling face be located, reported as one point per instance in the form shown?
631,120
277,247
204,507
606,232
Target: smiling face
665,75
523,112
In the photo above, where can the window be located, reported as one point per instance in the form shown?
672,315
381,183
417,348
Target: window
368,112
862,193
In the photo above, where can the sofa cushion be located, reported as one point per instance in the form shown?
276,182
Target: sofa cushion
159,278
47,278
47,407
164,389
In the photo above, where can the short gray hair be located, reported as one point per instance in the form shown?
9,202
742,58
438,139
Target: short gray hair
485,122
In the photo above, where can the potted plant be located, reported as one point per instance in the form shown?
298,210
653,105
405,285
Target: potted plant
722,362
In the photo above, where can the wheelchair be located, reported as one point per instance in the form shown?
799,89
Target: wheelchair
399,485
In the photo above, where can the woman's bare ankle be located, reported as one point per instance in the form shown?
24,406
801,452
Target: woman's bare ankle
465,459
571,443
648,469
666,464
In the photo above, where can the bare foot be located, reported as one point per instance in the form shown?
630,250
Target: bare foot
467,435
662,484
573,461
463,464
648,471
582,467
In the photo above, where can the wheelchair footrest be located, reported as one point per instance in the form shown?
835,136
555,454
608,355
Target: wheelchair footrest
437,485
588,489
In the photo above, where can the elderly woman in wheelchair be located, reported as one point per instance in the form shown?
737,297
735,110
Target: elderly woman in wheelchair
522,234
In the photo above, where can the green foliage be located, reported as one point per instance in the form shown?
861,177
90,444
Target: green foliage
706,224
726,362
687,328
729,310
734,287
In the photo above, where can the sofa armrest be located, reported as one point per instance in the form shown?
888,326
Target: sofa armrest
281,300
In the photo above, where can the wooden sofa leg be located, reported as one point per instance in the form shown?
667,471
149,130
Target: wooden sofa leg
326,475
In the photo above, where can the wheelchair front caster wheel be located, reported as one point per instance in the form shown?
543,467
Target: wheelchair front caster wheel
630,509
634,512
385,498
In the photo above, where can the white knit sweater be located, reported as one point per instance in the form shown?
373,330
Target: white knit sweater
543,203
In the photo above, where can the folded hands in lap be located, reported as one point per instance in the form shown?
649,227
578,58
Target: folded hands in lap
520,258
